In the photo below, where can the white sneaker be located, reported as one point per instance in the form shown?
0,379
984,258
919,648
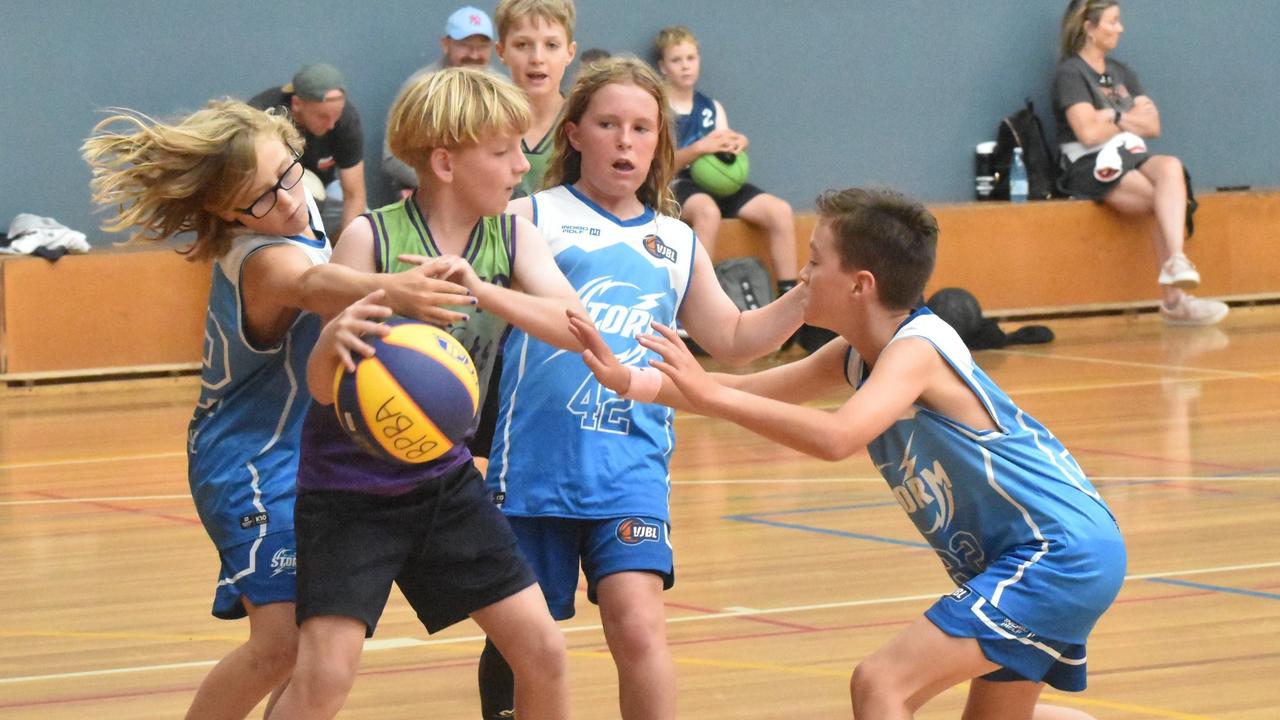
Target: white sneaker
1180,273
1191,310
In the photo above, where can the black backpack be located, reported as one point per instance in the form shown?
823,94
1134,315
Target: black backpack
746,281
1023,129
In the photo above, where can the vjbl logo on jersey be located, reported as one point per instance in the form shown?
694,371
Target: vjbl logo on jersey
634,531
655,247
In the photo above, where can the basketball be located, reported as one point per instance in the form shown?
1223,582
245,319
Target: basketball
959,308
721,174
414,399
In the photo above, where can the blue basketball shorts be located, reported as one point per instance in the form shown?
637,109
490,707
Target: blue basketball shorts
1022,653
554,546
263,571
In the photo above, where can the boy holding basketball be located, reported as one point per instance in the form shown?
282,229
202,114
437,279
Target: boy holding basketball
535,42
363,522
702,128
1033,549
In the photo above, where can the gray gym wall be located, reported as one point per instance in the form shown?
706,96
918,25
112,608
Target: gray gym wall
831,93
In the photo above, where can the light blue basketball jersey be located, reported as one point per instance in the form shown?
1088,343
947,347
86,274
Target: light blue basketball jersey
565,446
1009,511
242,442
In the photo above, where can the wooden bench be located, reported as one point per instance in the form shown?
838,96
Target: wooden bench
1076,256
141,310
135,309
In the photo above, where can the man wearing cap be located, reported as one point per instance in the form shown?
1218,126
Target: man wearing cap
334,153
467,42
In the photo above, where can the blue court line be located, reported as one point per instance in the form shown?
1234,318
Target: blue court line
832,508
1216,588
824,531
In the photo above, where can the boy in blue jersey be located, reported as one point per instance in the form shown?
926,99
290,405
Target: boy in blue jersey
702,127
364,523
231,175
1033,549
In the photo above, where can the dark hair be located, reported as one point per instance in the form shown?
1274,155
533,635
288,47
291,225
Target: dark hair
885,233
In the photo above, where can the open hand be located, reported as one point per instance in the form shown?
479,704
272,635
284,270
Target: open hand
597,355
425,293
347,330
677,363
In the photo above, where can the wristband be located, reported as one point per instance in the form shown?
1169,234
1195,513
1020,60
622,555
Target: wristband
1117,121
645,384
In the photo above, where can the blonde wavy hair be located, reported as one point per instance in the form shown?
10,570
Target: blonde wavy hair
452,108
565,166
166,178
1078,13
561,12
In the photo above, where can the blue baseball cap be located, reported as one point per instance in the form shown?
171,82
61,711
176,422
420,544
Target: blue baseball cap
468,21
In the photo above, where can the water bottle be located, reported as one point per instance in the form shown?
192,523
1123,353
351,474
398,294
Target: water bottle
1017,178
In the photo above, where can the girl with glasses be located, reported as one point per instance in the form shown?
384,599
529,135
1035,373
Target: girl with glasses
229,174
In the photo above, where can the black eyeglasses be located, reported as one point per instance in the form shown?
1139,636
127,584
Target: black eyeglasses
266,202
1105,80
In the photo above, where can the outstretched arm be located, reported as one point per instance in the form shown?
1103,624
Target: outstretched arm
730,335
540,295
420,293
341,340
899,378
806,379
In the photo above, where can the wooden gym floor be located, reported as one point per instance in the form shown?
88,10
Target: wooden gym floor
789,569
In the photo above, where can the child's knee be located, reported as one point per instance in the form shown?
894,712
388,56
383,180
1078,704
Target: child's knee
635,635
541,653
867,683
324,681
700,209
273,659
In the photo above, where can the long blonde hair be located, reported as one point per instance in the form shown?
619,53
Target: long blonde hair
566,162
1078,13
451,108
169,178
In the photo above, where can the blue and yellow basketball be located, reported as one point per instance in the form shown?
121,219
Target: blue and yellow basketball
721,174
414,399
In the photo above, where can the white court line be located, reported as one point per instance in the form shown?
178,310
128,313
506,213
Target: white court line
400,643
853,479
89,461
1133,363
121,498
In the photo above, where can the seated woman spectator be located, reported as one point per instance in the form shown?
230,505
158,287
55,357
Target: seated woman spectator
1103,115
